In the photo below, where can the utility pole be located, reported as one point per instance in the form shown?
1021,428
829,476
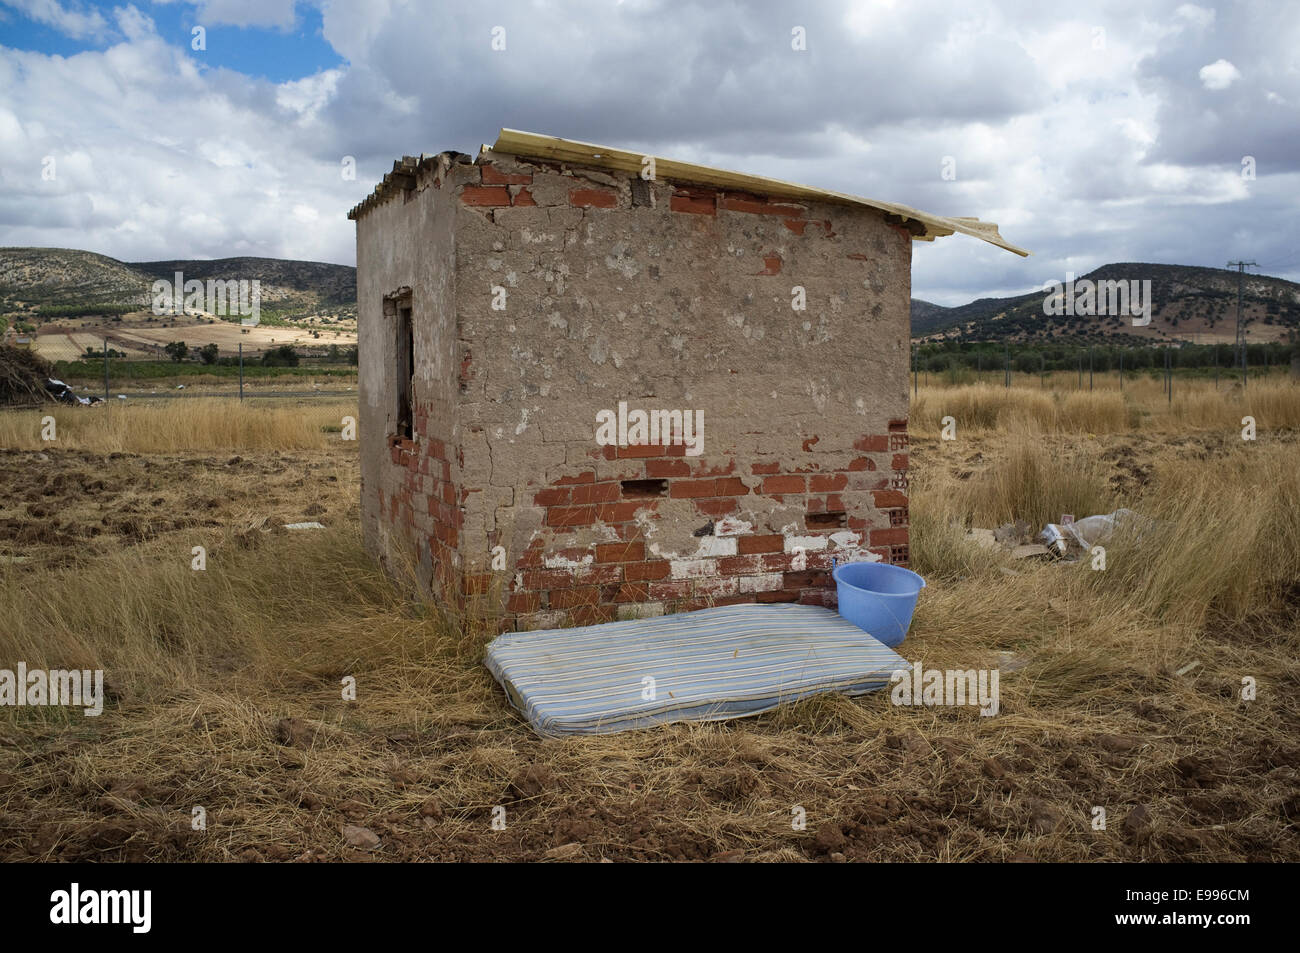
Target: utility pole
1241,267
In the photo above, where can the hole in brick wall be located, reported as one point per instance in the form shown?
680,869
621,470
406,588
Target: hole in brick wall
826,520
898,517
898,555
641,489
898,441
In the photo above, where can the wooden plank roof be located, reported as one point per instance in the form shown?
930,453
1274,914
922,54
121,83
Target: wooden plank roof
532,145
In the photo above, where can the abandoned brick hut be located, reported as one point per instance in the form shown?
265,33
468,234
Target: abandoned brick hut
597,386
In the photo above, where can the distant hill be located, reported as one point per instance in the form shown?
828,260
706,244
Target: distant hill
1189,304
927,317
328,284
30,277
37,284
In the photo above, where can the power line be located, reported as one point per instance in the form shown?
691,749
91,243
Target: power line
1241,267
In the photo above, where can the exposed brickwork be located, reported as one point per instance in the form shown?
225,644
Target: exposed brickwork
736,560
485,195
495,196
706,201
757,205
695,201
424,505
593,198
492,177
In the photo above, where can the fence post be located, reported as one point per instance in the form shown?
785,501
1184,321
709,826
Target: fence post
241,370
105,368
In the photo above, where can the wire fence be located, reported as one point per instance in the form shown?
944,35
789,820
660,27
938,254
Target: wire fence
1056,366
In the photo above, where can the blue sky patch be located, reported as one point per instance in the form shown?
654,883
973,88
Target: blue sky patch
267,53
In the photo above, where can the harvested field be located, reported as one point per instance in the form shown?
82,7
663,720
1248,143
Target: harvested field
226,684
141,336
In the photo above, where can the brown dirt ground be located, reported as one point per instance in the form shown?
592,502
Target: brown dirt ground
61,507
283,766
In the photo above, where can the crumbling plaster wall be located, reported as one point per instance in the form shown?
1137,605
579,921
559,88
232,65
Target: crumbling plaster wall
669,298
409,507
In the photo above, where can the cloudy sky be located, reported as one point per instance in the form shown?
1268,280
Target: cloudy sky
1116,131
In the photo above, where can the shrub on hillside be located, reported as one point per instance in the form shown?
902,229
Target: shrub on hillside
282,356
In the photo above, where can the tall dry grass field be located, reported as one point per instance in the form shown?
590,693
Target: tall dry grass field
1120,688
175,425
1142,406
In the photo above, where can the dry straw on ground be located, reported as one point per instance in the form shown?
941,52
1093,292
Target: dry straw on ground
1140,407
228,690
178,424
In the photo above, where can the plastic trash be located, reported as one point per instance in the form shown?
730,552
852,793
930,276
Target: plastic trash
1091,531
878,598
1054,538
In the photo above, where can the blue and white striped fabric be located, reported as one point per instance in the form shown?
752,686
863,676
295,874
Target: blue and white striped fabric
709,665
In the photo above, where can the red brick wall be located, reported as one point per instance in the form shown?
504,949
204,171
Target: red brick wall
426,507
753,563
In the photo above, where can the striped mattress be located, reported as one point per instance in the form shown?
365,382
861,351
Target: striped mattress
709,665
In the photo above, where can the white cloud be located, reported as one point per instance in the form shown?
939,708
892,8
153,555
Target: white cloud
308,95
242,13
157,158
1083,152
133,24
265,13
1219,75
70,22
1198,17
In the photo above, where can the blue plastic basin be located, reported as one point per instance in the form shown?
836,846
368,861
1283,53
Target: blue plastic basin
878,598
